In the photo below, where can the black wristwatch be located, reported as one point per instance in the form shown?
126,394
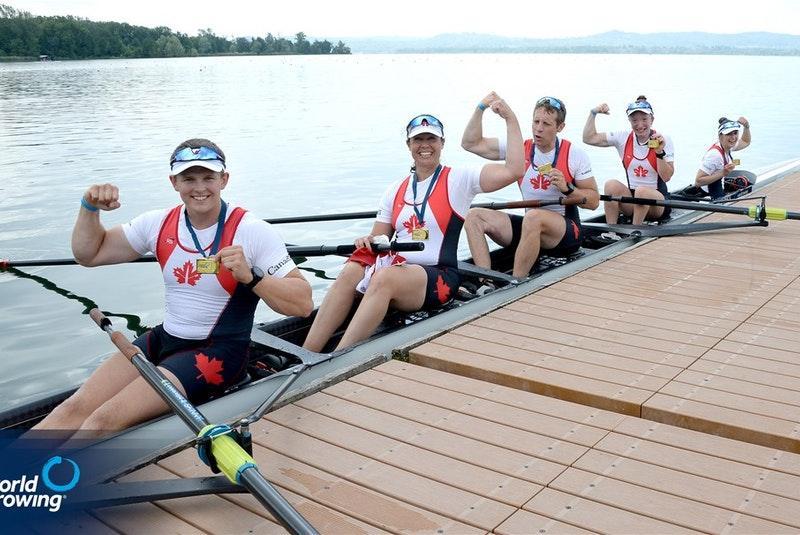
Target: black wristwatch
257,276
570,189
661,155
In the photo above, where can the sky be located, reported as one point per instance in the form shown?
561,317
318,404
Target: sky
325,19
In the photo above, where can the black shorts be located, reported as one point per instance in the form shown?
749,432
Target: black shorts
205,368
569,244
441,287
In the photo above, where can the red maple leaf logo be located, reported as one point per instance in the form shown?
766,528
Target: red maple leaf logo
442,289
209,369
186,274
540,181
413,223
640,171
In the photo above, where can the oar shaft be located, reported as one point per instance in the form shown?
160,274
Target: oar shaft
168,392
533,203
275,503
294,250
774,214
234,462
322,217
370,214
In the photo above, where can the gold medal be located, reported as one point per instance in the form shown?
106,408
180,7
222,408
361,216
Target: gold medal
652,143
419,234
207,266
736,161
545,168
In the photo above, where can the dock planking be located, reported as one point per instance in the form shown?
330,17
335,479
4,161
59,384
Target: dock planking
402,448
699,331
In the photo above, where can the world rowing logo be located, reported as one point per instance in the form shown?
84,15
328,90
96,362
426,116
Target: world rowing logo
76,474
23,493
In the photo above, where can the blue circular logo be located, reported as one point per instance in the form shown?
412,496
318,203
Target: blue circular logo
60,488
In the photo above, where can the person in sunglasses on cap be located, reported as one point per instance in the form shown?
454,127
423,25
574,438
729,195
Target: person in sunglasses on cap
648,159
218,261
554,169
718,162
429,205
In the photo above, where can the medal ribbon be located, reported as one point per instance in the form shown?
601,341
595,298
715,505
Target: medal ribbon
424,204
217,237
555,156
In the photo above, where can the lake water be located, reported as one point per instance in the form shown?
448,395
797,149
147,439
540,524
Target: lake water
303,135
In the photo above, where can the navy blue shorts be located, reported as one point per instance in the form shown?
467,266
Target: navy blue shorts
205,368
569,244
441,287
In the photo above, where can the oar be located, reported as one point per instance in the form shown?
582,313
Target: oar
533,203
368,215
294,250
230,457
650,231
322,217
756,212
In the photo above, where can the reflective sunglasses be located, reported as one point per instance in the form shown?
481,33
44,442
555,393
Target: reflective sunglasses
424,120
553,102
641,105
727,125
191,154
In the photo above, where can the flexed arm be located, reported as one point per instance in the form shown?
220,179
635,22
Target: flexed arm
590,134
495,176
92,244
744,142
473,140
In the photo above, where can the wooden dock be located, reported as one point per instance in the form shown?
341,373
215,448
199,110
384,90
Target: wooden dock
700,331
658,392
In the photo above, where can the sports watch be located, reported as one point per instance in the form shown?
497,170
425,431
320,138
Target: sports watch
570,189
257,276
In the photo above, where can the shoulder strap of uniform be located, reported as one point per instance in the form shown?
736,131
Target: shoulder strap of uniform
168,235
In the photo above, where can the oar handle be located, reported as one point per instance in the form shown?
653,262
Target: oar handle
400,246
349,248
119,339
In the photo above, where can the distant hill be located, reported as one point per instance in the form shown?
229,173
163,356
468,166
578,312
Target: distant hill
609,42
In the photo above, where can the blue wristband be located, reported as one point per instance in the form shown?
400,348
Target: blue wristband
593,112
88,206
482,106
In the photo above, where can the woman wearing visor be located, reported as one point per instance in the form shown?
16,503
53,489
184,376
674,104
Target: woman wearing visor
718,162
218,261
647,158
429,205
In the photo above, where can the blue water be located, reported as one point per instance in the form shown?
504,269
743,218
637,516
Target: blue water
303,135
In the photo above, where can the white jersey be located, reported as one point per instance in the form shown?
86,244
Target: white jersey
441,245
535,186
641,169
199,305
714,161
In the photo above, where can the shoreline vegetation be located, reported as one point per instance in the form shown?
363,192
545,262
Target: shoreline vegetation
26,37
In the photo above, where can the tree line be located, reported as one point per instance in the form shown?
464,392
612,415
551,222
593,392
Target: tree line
23,35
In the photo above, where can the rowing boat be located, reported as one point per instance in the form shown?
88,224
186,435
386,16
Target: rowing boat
276,353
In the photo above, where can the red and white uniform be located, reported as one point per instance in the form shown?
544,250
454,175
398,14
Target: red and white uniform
199,306
447,207
714,160
573,162
639,161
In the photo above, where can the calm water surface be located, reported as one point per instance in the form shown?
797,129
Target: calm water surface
303,135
